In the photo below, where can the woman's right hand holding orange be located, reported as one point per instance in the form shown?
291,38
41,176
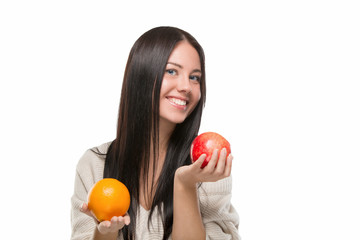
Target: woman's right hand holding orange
105,227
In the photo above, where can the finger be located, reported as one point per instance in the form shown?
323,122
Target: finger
104,227
228,165
117,222
220,167
199,162
84,208
127,219
213,160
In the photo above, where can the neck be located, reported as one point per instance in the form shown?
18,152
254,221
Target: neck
148,184
165,130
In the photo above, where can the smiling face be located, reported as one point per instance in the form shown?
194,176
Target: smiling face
180,89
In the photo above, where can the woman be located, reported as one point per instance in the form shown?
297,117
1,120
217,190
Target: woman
162,99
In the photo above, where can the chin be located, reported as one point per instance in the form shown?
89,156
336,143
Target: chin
174,120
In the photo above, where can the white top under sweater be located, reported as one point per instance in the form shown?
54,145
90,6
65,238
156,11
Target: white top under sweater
220,219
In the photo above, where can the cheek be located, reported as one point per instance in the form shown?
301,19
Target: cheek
196,94
163,86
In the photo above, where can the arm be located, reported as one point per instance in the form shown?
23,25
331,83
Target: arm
107,236
84,225
187,217
188,223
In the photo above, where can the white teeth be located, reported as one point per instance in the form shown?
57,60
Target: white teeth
178,101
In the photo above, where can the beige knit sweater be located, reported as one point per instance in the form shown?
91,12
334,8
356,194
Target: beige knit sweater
219,217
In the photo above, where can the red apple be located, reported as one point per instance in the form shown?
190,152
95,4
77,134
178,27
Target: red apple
207,143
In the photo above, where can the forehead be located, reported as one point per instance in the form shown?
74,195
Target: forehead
185,54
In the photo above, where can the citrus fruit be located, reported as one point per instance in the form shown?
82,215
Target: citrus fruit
108,198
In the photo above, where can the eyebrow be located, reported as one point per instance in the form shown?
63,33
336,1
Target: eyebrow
180,66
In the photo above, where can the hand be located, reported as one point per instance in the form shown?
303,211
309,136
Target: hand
219,167
104,227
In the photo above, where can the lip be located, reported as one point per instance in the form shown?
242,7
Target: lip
176,105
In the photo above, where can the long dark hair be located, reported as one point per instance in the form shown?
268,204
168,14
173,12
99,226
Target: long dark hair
138,124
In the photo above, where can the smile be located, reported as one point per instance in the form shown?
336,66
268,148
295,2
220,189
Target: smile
176,102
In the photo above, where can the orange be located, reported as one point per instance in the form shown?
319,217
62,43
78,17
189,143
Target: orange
108,198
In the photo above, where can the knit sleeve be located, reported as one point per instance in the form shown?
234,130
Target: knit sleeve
89,170
220,219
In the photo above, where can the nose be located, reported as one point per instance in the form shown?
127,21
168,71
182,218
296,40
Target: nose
184,85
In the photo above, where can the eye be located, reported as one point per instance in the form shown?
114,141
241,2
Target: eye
171,71
195,78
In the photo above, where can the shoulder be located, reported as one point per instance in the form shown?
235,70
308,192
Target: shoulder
91,164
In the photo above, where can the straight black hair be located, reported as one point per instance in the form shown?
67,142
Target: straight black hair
138,124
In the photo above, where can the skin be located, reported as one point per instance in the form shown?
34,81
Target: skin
181,82
106,229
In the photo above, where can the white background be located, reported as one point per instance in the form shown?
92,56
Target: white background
283,87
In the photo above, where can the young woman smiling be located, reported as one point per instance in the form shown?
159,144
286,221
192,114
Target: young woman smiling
162,99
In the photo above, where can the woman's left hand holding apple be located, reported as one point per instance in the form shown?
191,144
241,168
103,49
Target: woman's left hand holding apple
219,167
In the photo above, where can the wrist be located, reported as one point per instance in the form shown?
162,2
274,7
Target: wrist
183,183
100,235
